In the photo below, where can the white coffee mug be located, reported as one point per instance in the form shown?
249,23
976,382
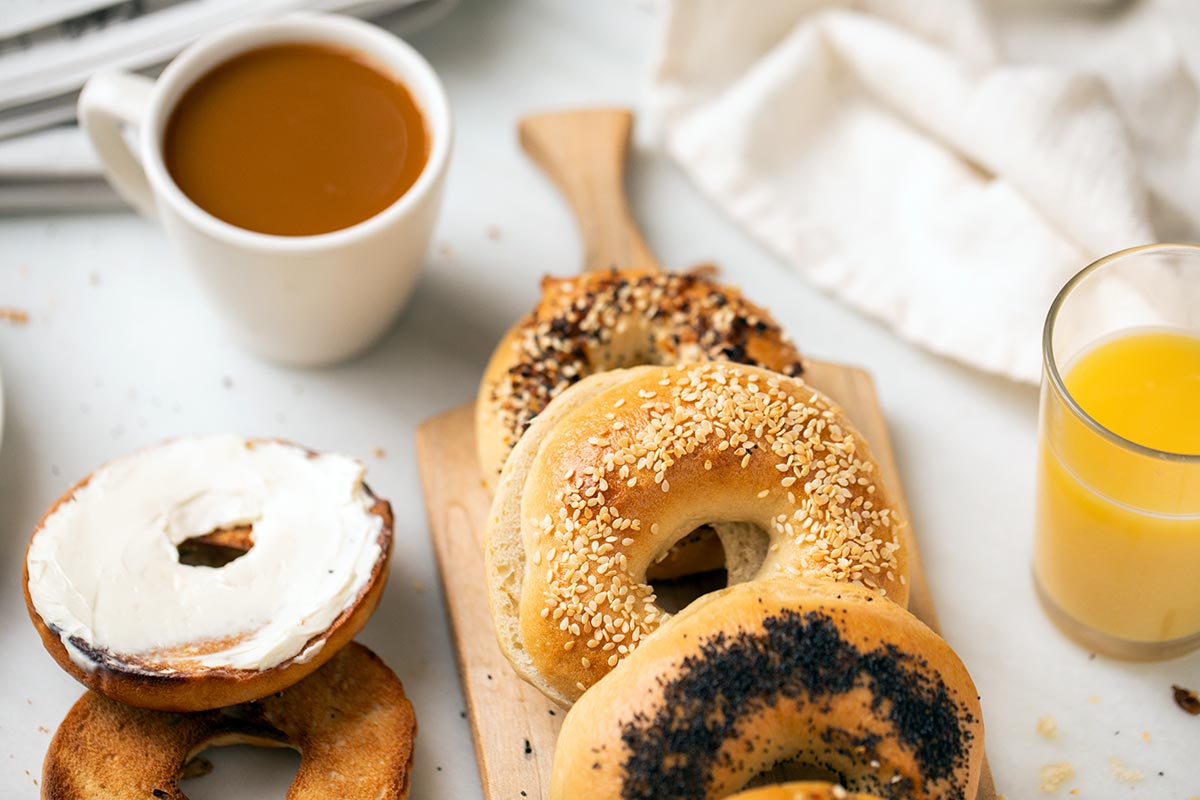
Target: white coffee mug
303,300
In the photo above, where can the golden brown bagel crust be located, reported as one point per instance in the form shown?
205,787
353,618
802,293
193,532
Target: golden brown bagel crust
609,320
829,675
802,790
194,688
637,459
350,720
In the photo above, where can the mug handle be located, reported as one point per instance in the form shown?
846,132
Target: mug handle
109,101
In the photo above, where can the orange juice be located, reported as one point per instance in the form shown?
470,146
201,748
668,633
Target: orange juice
1118,507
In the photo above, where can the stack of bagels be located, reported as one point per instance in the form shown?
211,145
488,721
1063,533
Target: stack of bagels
206,591
627,411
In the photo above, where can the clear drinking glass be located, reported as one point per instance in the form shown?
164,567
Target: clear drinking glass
1117,540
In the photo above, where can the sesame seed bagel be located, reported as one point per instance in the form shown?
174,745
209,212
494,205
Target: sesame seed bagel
802,790
830,678
350,720
624,464
119,606
611,320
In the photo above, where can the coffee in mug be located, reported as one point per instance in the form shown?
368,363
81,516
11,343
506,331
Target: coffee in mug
295,140
295,164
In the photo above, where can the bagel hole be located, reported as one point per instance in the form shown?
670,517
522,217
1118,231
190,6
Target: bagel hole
216,548
265,769
688,570
792,769
707,560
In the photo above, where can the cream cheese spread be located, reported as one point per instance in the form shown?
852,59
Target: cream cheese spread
104,568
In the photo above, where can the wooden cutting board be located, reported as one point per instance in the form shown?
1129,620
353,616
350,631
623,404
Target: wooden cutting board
514,726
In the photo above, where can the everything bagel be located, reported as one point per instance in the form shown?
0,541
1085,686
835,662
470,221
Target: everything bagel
611,320
830,677
624,464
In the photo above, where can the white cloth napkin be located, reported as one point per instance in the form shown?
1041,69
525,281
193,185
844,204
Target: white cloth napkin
890,152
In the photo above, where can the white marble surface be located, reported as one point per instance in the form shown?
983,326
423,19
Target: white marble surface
120,351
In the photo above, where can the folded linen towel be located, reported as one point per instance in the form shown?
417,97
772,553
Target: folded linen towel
888,152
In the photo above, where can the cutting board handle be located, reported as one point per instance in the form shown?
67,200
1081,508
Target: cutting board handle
583,152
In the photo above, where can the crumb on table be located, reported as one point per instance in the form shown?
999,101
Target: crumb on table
1053,776
17,316
1047,727
1123,773
1186,699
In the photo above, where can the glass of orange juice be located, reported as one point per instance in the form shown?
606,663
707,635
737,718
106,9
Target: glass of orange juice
1117,542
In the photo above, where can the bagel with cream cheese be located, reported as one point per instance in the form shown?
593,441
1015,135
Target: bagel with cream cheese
108,589
830,677
624,464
